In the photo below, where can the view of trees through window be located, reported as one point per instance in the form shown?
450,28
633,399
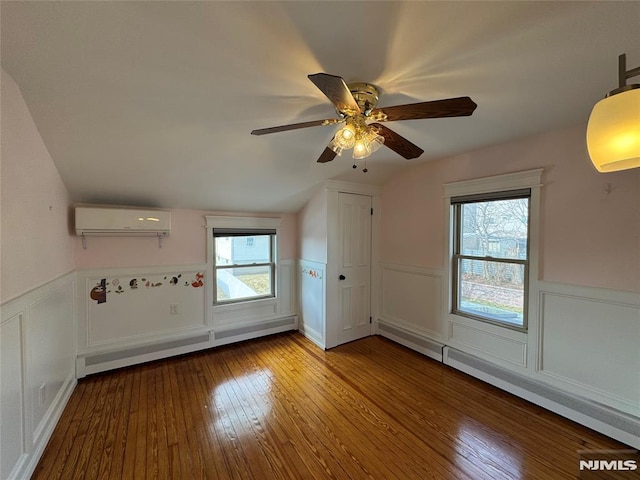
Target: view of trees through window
244,267
491,259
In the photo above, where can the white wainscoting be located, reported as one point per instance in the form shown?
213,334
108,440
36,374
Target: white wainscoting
590,343
136,305
412,299
274,314
499,345
583,346
312,295
37,357
134,322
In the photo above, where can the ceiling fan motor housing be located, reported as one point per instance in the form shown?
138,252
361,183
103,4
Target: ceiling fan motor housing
366,96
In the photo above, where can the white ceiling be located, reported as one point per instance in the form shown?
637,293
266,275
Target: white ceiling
151,103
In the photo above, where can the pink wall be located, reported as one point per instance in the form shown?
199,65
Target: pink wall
36,244
187,244
589,237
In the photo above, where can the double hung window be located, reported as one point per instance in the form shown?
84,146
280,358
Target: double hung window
243,264
490,258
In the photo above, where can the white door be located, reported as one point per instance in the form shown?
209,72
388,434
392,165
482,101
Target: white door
354,281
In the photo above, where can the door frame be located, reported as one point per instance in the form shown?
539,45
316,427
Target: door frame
334,188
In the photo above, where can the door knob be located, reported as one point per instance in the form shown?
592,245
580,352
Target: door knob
342,277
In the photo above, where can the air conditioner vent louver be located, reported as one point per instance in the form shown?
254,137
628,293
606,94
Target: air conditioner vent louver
95,220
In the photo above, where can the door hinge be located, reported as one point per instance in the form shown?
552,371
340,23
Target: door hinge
370,320
371,210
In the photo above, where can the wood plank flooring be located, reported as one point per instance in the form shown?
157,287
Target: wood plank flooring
280,408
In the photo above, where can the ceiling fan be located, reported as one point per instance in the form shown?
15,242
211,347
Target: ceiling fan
363,131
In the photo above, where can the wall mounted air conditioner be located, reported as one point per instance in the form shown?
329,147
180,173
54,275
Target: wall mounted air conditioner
103,221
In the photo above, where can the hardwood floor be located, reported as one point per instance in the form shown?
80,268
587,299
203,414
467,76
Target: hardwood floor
279,407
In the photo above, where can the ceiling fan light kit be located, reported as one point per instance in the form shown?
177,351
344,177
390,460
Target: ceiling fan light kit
356,134
613,131
356,105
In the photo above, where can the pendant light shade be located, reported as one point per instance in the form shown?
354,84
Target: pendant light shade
613,132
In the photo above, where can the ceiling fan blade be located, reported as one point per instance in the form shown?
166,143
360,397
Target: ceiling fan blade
450,107
327,155
397,143
337,91
295,126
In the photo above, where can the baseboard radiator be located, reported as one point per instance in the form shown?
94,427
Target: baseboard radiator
245,332
127,356
613,423
599,417
427,347
90,363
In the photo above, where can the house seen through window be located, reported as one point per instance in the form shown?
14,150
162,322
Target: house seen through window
244,264
491,257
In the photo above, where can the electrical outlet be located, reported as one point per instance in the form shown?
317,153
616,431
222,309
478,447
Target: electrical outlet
173,309
42,394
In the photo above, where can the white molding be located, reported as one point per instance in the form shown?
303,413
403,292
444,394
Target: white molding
87,278
497,356
353,187
607,295
22,297
147,340
427,271
313,335
213,313
224,221
510,181
389,318
250,306
140,270
573,296
318,336
19,303
544,402
411,344
505,182
27,466
22,309
412,329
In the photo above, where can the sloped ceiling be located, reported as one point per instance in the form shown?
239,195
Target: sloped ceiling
151,103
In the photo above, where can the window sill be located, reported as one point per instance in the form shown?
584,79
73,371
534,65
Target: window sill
486,326
497,323
245,304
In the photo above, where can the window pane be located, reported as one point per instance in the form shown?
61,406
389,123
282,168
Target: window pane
495,228
243,282
494,290
243,250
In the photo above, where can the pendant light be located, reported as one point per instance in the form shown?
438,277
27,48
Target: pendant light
613,132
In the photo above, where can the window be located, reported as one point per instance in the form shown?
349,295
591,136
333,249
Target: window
244,264
490,261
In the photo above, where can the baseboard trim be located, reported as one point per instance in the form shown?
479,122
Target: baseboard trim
254,330
613,423
27,465
90,363
599,417
312,335
424,345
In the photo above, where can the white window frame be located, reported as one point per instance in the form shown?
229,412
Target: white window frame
530,179
458,257
248,223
